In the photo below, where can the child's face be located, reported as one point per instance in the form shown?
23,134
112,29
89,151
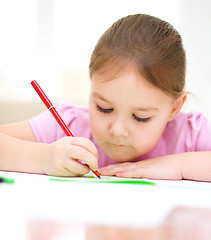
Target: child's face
127,114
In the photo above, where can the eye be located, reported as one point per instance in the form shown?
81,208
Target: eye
141,119
104,110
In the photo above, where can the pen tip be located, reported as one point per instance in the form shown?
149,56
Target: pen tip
97,173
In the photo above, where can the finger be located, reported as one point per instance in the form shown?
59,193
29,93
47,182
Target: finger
108,170
135,172
64,172
118,165
76,168
129,174
85,143
71,168
80,153
113,169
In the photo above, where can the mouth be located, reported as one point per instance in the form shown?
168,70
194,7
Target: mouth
118,145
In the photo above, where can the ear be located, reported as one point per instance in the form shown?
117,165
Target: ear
177,105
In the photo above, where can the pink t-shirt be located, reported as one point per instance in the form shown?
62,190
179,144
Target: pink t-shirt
188,132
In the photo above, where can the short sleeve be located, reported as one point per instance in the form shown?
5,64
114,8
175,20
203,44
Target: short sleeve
198,132
47,130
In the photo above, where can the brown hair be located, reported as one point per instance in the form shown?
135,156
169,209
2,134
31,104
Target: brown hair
150,43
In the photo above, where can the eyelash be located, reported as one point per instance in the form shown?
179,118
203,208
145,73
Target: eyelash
104,110
141,119
109,110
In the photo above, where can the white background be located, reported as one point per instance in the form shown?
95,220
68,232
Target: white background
52,40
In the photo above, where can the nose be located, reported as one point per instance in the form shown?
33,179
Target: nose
118,127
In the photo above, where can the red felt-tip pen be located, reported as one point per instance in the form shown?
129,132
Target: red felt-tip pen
56,115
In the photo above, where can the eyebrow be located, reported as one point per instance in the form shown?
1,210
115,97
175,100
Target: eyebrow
95,94
146,109
141,109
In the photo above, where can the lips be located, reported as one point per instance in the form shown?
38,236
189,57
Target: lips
118,145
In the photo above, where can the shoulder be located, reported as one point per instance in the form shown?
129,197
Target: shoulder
193,120
67,109
76,117
187,132
46,129
194,128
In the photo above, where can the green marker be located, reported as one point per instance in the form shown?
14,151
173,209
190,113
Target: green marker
95,180
6,180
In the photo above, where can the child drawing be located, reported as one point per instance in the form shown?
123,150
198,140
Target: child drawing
133,126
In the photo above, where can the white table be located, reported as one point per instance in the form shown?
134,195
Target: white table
35,197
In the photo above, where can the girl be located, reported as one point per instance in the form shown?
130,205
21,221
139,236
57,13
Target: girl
133,126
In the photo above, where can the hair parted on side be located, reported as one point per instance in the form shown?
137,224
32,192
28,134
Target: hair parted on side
151,44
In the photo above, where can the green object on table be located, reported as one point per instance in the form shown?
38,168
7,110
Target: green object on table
103,180
6,180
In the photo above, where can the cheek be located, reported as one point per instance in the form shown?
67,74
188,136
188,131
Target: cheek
147,137
96,125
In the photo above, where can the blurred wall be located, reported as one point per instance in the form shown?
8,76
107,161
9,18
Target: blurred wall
195,19
12,111
52,42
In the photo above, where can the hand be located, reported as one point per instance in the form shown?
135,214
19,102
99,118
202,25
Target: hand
66,155
166,167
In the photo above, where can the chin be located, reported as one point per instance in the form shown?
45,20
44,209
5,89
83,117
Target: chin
121,159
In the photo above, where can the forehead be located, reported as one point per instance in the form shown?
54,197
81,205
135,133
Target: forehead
128,87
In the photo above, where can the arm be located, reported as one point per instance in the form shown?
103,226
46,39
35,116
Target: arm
20,152
18,149
190,165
